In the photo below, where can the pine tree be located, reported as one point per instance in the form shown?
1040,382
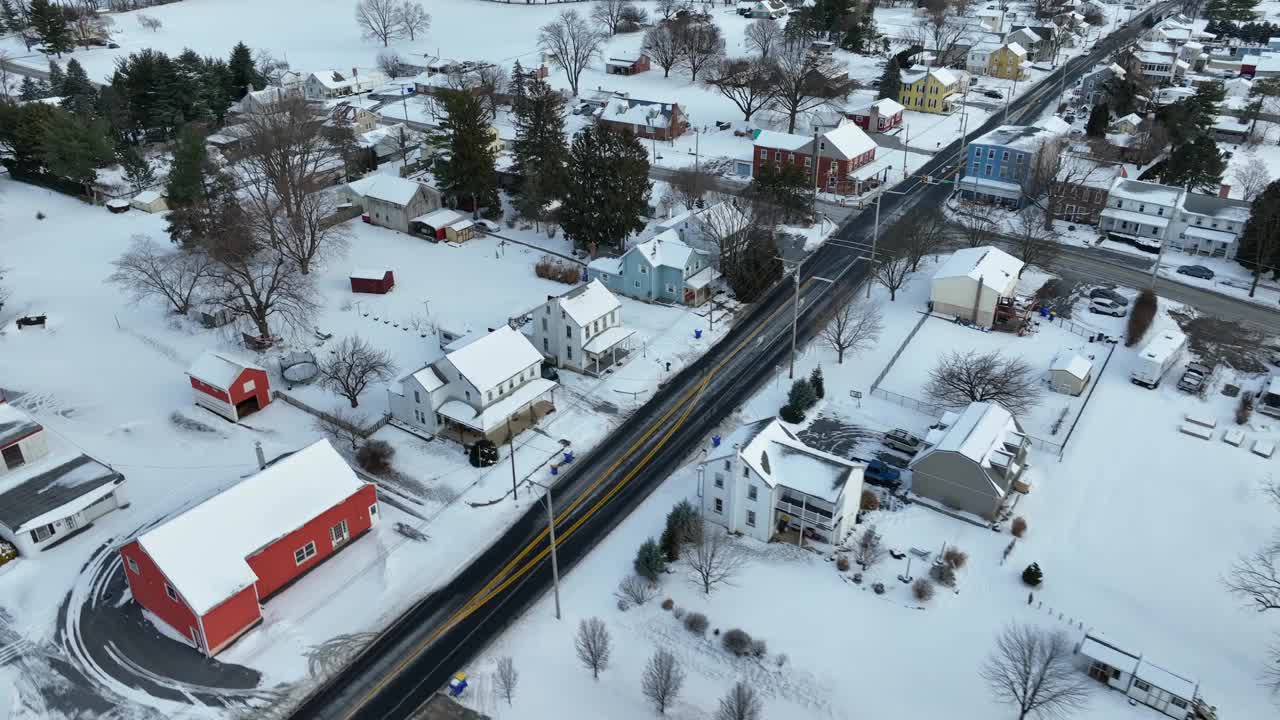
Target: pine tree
608,189
802,395
50,25
1099,120
1259,247
818,382
190,188
22,133
541,155
1033,576
74,148
79,95
137,169
891,79
56,78
244,73
517,87
650,562
32,89
1197,165
10,19
470,173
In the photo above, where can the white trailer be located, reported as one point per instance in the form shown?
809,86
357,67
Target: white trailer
1160,354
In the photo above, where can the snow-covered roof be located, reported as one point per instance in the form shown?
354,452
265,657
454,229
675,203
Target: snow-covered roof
1145,192
979,433
1216,207
780,458
219,370
368,274
444,217
146,197
942,75
588,303
15,424
848,141
1135,217
945,76
1166,680
1152,58
1073,364
665,249
887,106
387,188
1133,119
607,339
992,266
491,416
1027,33
53,487
1098,648
608,265
626,58
428,377
202,552
335,80
494,358
1025,137
781,141
635,111
1016,49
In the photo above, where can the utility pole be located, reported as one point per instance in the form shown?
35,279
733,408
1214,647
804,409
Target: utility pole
906,138
555,561
795,321
875,231
817,158
511,447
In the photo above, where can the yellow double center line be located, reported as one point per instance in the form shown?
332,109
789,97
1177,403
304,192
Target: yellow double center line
505,577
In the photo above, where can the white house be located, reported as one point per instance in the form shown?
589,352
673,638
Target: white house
763,479
582,329
1139,212
1150,215
49,491
972,283
476,388
1136,676
1128,124
329,84
1208,225
390,201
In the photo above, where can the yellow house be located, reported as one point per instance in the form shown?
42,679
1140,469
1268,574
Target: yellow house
928,90
1007,62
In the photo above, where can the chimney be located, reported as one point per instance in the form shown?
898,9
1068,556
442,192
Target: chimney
1224,190
262,459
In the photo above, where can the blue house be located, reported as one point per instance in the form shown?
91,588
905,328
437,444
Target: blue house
662,269
998,164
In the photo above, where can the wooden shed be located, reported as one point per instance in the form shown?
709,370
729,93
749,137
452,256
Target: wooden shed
378,282
1070,373
229,387
149,201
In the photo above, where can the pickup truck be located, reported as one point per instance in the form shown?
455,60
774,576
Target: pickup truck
880,474
1193,378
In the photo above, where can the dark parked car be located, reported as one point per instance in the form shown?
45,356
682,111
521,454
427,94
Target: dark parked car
1108,294
992,94
1196,271
880,474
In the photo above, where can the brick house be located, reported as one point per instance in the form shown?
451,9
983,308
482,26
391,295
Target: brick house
645,118
882,115
840,152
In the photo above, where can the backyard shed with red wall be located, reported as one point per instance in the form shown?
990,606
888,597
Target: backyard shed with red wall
378,282
230,387
206,572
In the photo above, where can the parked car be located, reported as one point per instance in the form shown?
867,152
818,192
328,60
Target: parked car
1196,271
875,83
993,94
1109,294
903,441
488,225
1194,377
880,474
1103,306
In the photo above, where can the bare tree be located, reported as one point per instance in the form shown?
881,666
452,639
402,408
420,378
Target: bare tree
636,590
700,45
149,22
390,62
941,31
924,233
668,8
892,272
1032,669
714,559
762,36
414,19
271,67
608,14
491,86
572,44
379,19
592,643
1061,176
662,680
869,549
506,677
4,291
740,703
852,328
6,56
88,26
342,426
976,226
960,378
1256,578
725,224
1252,178
148,269
352,366
689,185
1033,243
313,235
749,83
808,81
663,47
259,285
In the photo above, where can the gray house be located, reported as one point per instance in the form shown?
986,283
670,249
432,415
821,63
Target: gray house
1092,86
662,269
971,460
582,329
391,201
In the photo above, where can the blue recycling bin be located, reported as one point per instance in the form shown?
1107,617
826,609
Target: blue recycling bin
555,470
715,441
568,457
697,334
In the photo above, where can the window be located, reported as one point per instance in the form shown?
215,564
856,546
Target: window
808,162
752,492
489,395
1178,702
644,270
1020,158
304,553
544,324
417,398
671,289
569,352
764,154
751,518
746,471
719,505
250,385
777,155
373,512
991,154
133,566
1141,685
726,465
546,345
987,171
637,284
467,393
1159,211
719,480
42,533
338,533
568,332
1004,155
168,590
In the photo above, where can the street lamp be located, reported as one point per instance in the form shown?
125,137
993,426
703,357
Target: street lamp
555,562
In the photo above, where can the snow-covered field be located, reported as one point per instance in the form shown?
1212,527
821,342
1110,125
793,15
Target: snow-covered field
1133,528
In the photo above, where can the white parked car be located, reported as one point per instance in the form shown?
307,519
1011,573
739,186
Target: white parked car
1104,306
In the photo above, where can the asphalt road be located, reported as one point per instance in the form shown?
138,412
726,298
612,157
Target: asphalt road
444,631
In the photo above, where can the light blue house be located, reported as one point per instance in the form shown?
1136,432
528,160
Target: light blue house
662,269
998,164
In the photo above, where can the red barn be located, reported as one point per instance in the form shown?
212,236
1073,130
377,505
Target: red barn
880,116
378,282
628,64
229,387
206,572
841,151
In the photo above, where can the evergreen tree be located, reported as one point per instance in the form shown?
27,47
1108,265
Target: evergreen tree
50,25
891,79
244,73
32,89
1033,576
802,395
10,19
192,188
789,189
1259,248
608,191
818,382
1099,120
56,78
858,28
78,94
215,81
1197,165
74,148
683,527
541,154
517,87
650,562
470,172
22,134
137,168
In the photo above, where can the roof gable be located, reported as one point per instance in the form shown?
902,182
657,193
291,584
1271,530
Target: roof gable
588,303
493,358
219,370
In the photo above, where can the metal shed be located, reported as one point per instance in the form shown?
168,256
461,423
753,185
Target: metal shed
1069,373
379,282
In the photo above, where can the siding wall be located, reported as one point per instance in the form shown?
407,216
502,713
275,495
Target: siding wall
233,618
954,481
147,586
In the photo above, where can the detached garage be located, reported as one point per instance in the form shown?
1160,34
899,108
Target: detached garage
1070,373
378,282
229,387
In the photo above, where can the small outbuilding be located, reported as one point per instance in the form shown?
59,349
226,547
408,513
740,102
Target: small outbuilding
972,283
149,201
1069,373
117,206
444,225
229,387
378,282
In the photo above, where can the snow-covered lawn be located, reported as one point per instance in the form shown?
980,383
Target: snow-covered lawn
1133,528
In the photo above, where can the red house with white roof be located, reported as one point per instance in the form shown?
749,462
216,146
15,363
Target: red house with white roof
229,387
206,572
882,115
841,151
